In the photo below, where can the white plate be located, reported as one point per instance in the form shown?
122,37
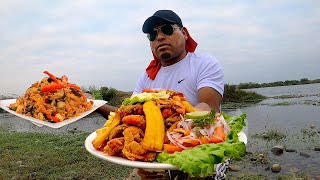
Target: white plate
137,164
123,161
5,103
243,137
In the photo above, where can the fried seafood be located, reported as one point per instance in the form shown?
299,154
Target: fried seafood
167,112
114,146
135,120
172,103
117,131
171,120
135,109
132,143
137,130
147,157
133,133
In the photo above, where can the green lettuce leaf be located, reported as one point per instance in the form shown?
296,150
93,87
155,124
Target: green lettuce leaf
201,161
236,123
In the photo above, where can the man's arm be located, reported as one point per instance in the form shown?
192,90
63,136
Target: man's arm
105,110
209,99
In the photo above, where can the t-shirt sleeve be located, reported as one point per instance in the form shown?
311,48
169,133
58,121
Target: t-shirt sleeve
140,85
210,74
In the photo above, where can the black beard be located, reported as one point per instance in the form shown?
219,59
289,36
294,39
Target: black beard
166,56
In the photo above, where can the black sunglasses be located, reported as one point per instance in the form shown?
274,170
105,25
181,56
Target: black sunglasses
166,29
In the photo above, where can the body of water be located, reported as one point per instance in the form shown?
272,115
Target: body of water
297,117
309,89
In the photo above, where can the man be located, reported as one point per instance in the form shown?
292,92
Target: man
176,66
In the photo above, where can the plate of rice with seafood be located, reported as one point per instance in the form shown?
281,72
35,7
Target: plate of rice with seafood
160,129
53,102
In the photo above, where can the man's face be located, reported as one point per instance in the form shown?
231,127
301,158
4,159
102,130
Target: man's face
169,48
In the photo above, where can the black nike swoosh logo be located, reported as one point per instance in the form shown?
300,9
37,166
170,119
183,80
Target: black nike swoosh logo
182,80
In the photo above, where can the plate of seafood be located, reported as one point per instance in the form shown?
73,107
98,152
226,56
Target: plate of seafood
4,104
124,161
53,102
137,164
159,129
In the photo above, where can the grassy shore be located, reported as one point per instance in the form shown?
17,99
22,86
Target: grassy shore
48,156
63,156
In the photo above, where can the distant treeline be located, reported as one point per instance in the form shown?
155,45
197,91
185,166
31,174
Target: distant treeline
251,85
232,94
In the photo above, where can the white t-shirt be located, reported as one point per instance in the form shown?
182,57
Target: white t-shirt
187,76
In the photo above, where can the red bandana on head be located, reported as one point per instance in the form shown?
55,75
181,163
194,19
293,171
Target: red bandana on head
155,64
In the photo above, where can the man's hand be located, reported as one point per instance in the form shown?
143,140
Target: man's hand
203,107
210,97
103,110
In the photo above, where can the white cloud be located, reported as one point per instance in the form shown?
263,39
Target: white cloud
101,43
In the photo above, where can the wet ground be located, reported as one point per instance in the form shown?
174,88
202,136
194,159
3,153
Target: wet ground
292,121
287,126
301,133
291,118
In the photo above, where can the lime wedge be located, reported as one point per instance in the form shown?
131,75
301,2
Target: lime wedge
198,115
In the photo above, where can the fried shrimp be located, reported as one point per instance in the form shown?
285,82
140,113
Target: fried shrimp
133,133
135,120
135,109
114,147
142,121
171,103
132,143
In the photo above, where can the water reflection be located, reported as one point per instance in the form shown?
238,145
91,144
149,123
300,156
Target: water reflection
297,117
288,90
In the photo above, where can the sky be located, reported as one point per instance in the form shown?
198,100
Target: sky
101,43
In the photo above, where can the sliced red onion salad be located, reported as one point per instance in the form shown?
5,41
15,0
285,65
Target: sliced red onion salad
225,124
174,141
176,137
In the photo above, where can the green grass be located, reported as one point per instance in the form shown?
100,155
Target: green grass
281,104
271,134
235,95
47,156
63,156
